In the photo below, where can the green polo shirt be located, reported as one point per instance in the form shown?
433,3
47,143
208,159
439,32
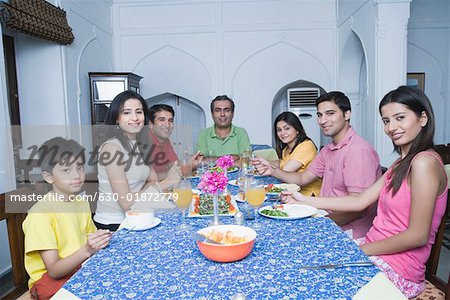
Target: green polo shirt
235,143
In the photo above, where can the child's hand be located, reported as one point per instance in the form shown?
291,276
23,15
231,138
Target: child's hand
98,240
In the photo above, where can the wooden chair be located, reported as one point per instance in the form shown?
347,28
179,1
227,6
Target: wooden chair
435,287
16,241
444,152
16,246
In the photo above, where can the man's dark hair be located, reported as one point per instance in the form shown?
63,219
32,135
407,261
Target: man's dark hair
59,151
222,98
338,98
157,108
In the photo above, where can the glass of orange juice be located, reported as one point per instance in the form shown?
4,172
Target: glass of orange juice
255,195
183,198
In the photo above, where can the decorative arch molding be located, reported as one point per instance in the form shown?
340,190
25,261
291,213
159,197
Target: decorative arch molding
79,60
185,53
262,50
83,50
436,62
166,95
366,61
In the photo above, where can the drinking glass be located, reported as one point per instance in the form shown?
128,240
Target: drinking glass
183,198
244,161
255,197
211,159
202,167
185,166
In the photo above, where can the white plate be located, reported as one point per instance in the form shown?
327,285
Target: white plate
295,211
193,176
196,192
233,182
230,214
232,170
273,193
156,222
238,198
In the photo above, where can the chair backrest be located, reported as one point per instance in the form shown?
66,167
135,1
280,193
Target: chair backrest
444,151
16,238
433,260
269,153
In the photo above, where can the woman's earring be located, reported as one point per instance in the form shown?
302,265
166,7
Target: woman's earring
117,127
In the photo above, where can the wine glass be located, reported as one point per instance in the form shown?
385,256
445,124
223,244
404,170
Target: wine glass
245,178
183,197
255,195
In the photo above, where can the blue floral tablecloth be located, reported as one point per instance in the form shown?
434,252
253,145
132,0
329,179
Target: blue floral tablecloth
163,263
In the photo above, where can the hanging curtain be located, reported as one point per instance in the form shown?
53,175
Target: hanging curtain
37,18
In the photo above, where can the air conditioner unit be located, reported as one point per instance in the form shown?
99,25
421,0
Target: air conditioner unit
302,102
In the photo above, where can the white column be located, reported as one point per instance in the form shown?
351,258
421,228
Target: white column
389,63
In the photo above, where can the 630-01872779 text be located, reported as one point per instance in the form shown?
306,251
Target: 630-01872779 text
137,197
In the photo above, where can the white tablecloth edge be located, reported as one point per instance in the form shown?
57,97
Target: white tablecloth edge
379,287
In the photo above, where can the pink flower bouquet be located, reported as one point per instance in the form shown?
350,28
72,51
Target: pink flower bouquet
213,182
225,162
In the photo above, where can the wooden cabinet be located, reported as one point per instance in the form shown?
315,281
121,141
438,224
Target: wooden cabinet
104,87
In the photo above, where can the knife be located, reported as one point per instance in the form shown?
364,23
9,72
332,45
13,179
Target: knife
349,264
204,239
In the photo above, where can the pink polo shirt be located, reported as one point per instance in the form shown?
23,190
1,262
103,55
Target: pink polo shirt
351,166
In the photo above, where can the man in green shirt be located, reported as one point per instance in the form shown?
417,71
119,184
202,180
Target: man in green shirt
223,138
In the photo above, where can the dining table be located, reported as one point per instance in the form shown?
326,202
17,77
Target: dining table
165,263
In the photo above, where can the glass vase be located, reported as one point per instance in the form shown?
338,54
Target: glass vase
215,220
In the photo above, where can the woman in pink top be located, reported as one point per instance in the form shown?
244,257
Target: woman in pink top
411,195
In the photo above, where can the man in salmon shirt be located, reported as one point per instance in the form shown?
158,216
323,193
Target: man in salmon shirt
348,165
162,155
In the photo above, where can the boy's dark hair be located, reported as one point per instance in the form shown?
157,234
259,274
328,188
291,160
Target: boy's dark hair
339,98
59,151
157,108
222,98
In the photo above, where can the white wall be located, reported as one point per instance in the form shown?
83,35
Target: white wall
54,78
246,49
429,52
92,51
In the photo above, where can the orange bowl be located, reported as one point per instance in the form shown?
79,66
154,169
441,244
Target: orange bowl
228,252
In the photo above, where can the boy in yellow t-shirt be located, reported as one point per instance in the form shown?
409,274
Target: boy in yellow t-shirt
59,232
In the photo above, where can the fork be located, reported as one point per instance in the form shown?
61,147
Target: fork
341,265
276,201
